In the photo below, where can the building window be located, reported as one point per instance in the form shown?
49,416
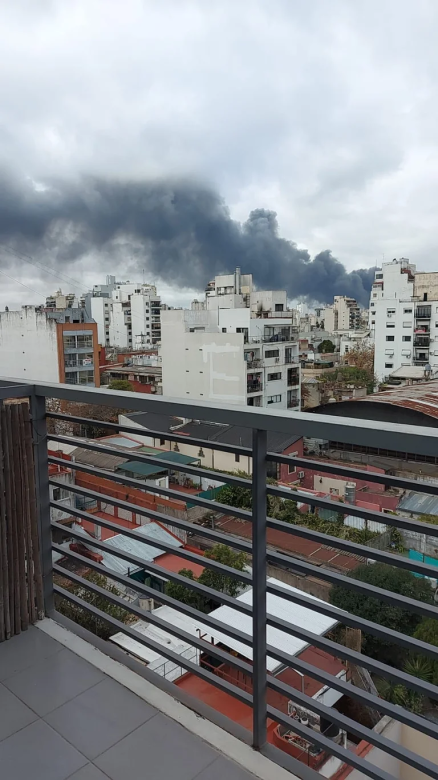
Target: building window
407,311
390,338
389,365
407,324
378,276
224,330
291,469
274,377
162,442
274,399
374,295
406,338
272,353
372,304
237,458
334,491
59,494
390,311
279,307
390,324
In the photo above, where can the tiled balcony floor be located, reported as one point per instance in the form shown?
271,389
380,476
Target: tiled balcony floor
60,717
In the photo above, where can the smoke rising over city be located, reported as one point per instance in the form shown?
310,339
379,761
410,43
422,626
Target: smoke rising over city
178,231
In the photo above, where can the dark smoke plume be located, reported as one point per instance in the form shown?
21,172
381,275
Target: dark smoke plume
179,231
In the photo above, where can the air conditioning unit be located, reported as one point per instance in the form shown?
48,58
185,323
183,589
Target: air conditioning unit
301,475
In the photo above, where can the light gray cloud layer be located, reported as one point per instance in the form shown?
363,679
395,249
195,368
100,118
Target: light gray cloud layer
325,112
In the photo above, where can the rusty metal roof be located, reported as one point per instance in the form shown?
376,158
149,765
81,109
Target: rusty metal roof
422,397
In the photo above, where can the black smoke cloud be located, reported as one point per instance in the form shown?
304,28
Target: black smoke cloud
178,231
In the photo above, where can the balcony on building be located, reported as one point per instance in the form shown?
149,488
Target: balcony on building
254,384
240,670
423,312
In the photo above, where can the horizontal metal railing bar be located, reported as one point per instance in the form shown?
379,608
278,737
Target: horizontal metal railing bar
201,560
330,746
349,619
341,651
140,457
118,626
403,602
352,691
13,391
354,473
184,525
158,570
150,617
405,438
172,436
404,523
353,727
150,592
113,476
353,548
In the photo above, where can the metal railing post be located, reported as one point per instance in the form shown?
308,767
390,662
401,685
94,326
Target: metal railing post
39,428
259,496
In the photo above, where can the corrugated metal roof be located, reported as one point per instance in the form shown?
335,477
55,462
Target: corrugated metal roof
422,397
119,441
419,504
100,460
142,469
294,614
132,547
178,457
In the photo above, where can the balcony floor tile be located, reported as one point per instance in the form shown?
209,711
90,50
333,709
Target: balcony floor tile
25,650
14,715
160,749
39,753
89,772
100,717
54,681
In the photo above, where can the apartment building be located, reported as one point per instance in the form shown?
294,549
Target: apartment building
127,314
49,346
240,349
343,314
59,301
404,319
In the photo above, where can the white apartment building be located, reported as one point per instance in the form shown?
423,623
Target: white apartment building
404,318
128,315
343,314
240,349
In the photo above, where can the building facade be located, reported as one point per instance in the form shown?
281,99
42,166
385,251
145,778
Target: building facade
37,345
127,314
404,319
343,314
240,349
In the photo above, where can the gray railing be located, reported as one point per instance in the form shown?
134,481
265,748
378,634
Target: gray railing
258,548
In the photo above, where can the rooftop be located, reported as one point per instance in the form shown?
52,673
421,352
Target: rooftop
142,469
422,397
143,550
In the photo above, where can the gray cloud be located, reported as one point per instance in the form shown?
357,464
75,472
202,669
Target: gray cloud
180,231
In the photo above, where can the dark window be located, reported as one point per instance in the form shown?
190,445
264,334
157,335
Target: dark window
275,376
237,458
274,399
291,469
224,330
279,307
424,296
272,353
56,494
406,338
390,324
389,365
390,338
162,442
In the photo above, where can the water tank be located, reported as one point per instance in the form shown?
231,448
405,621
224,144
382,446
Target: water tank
350,493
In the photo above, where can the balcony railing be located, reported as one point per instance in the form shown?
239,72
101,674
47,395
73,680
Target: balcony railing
241,674
254,387
421,341
254,364
423,312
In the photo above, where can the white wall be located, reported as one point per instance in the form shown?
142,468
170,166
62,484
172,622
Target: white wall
201,365
28,346
394,294
98,314
118,332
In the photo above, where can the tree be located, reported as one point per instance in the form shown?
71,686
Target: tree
427,631
390,578
212,579
326,347
84,618
121,384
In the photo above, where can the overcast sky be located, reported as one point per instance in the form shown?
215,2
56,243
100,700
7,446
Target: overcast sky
324,110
